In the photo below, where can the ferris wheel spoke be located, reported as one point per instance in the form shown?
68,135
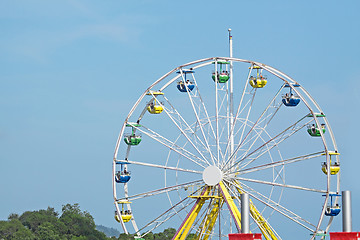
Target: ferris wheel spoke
269,115
260,152
172,146
243,129
279,163
224,99
269,146
251,101
260,120
266,149
203,107
222,133
179,123
217,119
276,206
281,185
159,166
283,135
253,140
239,129
238,111
238,147
165,216
221,109
198,119
161,191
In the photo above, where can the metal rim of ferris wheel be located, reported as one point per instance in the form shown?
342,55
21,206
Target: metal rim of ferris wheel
229,151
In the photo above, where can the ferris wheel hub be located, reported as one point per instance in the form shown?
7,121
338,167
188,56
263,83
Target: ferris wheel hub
212,175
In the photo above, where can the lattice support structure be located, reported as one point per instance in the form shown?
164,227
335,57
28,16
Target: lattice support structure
185,227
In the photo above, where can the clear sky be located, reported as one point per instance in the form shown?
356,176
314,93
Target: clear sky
71,70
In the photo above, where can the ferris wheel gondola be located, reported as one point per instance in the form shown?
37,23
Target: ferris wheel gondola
185,85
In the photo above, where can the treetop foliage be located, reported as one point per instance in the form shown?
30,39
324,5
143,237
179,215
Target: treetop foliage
72,224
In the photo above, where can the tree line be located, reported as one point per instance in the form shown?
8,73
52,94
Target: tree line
71,224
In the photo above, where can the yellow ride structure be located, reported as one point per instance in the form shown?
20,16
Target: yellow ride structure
218,195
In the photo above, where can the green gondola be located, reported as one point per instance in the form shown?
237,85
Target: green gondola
314,131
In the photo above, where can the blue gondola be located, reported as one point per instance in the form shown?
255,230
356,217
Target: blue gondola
290,99
122,176
185,85
332,210
188,86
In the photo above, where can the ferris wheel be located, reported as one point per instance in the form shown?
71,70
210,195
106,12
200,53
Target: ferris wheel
212,129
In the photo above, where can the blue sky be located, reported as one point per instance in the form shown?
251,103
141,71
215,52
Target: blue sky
71,70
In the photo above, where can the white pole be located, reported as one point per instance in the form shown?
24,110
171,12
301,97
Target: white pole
231,97
346,211
245,213
217,113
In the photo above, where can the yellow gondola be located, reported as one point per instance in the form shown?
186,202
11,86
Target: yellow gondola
334,167
125,214
153,107
259,81
125,217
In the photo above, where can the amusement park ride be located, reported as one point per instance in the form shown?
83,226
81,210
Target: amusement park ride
222,155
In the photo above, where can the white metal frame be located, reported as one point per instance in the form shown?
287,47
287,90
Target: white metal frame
204,145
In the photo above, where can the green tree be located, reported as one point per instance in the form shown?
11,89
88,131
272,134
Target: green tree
169,233
124,236
47,231
149,236
13,229
33,219
13,216
160,236
23,234
73,224
191,236
79,223
79,238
